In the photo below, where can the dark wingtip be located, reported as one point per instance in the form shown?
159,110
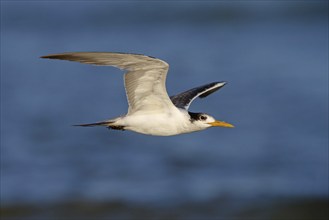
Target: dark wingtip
51,56
214,89
222,82
56,56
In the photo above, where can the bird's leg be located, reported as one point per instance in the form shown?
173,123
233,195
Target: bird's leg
116,127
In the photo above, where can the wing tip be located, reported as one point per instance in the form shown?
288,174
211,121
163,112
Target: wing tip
46,57
78,56
60,56
221,83
54,56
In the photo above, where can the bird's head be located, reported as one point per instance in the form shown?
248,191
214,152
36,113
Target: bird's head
203,120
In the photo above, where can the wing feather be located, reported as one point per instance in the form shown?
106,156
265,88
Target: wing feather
145,79
184,99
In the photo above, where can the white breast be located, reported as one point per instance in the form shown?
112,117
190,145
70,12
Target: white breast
159,123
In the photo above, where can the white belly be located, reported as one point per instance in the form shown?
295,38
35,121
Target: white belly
161,124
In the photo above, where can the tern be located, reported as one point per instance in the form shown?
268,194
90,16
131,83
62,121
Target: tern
151,111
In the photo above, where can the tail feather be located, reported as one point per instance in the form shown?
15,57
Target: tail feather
101,123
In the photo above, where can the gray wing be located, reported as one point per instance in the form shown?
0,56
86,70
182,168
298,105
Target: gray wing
184,99
144,81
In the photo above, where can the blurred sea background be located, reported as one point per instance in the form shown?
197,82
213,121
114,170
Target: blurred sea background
272,165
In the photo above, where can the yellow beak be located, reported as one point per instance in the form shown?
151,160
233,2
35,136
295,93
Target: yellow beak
221,124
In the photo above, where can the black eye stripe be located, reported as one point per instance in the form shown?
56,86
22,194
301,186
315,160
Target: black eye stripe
197,116
202,117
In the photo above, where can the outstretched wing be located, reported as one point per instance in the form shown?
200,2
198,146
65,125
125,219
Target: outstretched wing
145,78
184,99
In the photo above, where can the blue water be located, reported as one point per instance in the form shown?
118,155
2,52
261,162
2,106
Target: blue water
274,58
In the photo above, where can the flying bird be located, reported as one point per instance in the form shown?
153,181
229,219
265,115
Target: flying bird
151,111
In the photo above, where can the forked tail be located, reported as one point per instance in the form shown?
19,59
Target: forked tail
101,123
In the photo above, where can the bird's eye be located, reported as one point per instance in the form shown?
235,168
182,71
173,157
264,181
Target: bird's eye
202,117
